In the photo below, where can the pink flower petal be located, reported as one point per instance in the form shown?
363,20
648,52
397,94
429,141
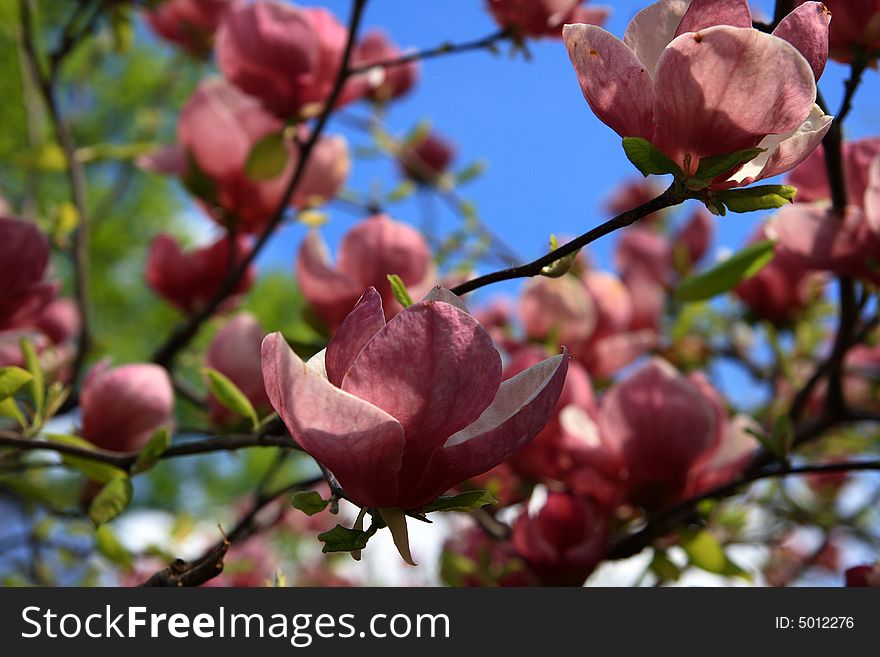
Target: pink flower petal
706,13
806,28
521,408
330,292
361,444
615,83
820,237
652,29
362,323
724,89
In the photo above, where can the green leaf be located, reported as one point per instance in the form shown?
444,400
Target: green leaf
464,502
783,436
648,159
229,396
398,289
121,28
110,547
309,502
197,182
704,550
94,470
158,443
268,157
110,501
762,197
11,379
714,166
726,275
470,172
664,568
343,539
404,190
559,267
9,408
37,383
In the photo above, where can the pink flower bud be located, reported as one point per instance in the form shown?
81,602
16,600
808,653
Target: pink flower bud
558,307
189,280
389,82
564,541
218,129
811,179
427,159
641,251
663,424
286,56
864,575
540,18
403,411
235,352
122,407
696,80
729,458
188,23
631,194
368,253
24,259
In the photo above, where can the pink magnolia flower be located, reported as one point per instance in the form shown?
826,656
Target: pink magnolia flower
368,253
189,280
288,57
472,558
24,260
426,160
664,424
557,307
643,252
188,23
692,241
403,411
122,407
696,80
389,82
540,18
781,290
59,321
218,128
235,353
855,28
564,541
631,194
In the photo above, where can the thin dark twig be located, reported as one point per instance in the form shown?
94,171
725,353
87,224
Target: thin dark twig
448,48
667,199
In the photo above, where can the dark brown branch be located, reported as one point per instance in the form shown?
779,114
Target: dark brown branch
485,43
667,199
166,353
126,460
665,521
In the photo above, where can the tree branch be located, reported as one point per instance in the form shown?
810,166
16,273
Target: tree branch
667,199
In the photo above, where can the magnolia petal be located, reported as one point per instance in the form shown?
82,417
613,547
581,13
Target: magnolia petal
806,28
331,292
652,29
725,88
705,13
615,83
438,293
362,323
615,352
361,444
872,196
784,152
432,367
520,410
820,237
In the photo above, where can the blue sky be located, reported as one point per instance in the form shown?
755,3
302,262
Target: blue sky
551,161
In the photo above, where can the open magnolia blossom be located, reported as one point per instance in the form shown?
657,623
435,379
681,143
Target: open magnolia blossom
402,412
696,80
